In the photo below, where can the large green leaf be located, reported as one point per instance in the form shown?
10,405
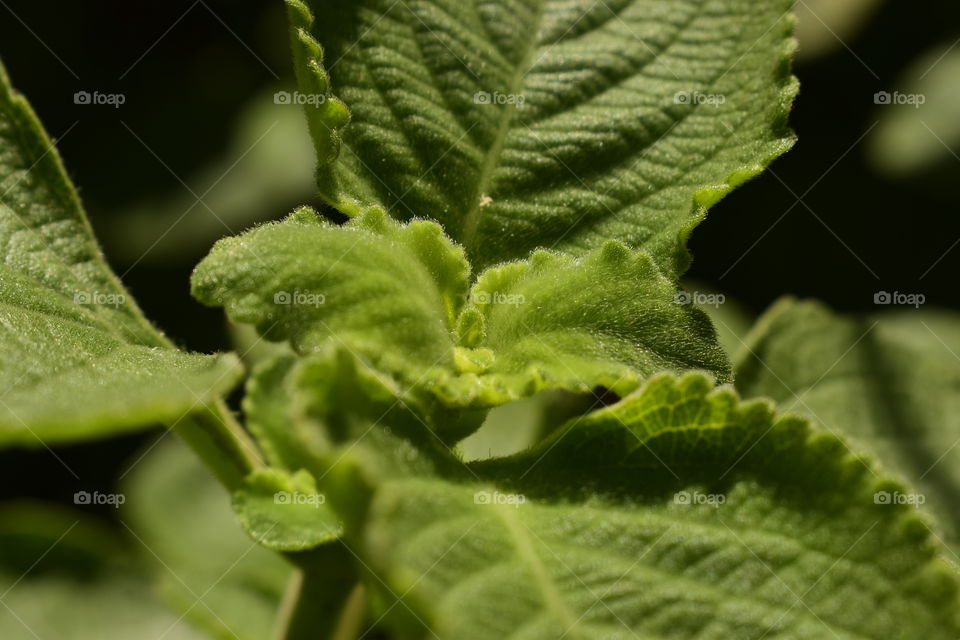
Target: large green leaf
395,296
891,381
77,357
680,512
545,123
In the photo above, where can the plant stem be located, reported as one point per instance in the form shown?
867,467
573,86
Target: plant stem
324,600
221,443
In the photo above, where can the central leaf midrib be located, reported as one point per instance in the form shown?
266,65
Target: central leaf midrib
552,600
491,160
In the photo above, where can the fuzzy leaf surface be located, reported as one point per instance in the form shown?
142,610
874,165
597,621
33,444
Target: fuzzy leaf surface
521,124
395,296
77,358
285,511
680,512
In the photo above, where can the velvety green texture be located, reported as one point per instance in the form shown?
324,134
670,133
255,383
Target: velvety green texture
520,124
680,512
77,358
395,295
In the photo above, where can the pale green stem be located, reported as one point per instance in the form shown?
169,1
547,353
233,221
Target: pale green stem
324,600
221,443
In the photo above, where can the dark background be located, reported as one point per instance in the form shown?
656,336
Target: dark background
187,68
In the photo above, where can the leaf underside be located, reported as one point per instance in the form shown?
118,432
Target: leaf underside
891,381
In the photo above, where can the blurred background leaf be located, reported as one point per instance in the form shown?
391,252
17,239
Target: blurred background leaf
206,567
824,26
912,139
66,575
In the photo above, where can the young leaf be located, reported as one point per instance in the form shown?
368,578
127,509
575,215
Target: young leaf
607,319
394,296
889,380
391,292
299,409
679,512
77,358
545,123
284,511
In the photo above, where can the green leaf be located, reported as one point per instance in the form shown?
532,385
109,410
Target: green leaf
545,123
285,512
890,380
267,408
79,359
206,568
60,560
679,512
730,318
299,410
390,292
70,382
917,131
113,606
394,296
607,319
349,426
